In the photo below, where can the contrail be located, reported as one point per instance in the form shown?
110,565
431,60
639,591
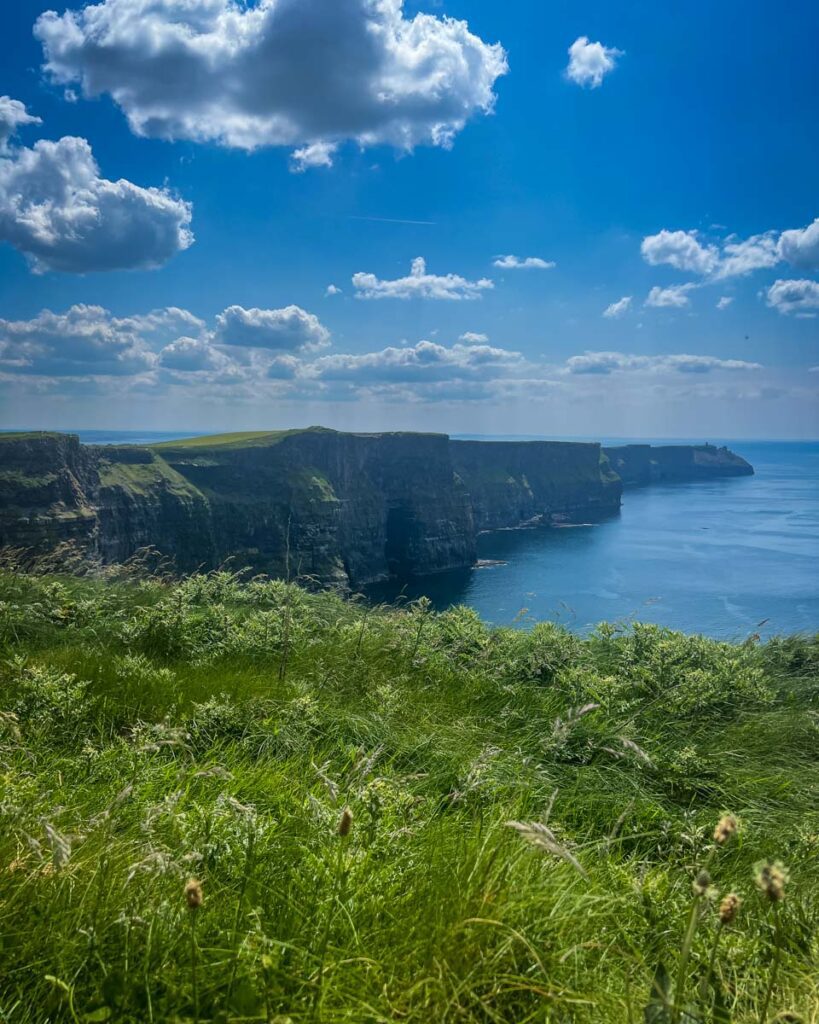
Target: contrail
394,220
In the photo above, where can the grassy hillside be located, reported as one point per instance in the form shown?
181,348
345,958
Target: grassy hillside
178,765
240,439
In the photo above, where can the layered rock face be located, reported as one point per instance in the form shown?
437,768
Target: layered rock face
513,482
338,508
639,464
45,483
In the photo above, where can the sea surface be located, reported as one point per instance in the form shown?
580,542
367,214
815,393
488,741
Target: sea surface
727,558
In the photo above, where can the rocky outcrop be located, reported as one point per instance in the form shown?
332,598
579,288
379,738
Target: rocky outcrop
638,464
335,507
45,483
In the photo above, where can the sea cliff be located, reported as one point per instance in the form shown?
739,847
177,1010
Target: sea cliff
339,508
638,464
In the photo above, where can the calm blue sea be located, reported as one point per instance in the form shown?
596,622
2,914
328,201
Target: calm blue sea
726,557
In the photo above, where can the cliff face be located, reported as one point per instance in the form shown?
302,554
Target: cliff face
639,464
45,483
513,482
340,508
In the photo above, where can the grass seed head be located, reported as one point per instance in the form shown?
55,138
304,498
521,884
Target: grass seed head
729,908
193,894
727,828
345,823
701,883
771,879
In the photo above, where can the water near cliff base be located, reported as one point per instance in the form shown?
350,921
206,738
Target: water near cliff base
715,557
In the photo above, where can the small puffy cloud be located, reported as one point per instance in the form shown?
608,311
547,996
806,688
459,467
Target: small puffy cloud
305,73
13,114
800,297
191,355
285,330
604,363
57,210
680,249
589,62
674,297
332,290
284,367
522,263
419,285
316,154
619,308
724,302
166,323
800,246
83,341
743,257
474,338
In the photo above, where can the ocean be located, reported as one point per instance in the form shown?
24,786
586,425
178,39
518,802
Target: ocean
726,558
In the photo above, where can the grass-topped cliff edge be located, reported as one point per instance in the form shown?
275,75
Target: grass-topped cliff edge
227,801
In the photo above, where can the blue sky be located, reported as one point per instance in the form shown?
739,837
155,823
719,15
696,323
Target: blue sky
641,174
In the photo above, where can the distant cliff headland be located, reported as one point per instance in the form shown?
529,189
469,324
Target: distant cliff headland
342,508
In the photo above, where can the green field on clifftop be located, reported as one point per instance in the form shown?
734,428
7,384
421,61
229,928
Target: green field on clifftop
532,813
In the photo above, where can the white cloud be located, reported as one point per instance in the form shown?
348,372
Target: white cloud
724,302
473,338
743,257
287,330
799,297
732,256
332,290
675,297
304,73
680,249
590,62
611,362
522,263
800,246
85,340
316,154
419,285
191,355
164,323
426,361
13,114
617,309
57,210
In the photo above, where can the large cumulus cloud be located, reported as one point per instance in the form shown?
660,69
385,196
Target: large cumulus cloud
83,341
57,209
308,73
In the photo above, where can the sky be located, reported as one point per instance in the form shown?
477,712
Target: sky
552,217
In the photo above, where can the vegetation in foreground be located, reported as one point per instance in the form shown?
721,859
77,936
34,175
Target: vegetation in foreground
240,802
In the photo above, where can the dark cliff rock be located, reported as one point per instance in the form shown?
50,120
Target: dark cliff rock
639,464
514,482
45,483
337,507
343,507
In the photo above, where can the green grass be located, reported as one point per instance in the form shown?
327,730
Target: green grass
145,477
155,733
240,439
